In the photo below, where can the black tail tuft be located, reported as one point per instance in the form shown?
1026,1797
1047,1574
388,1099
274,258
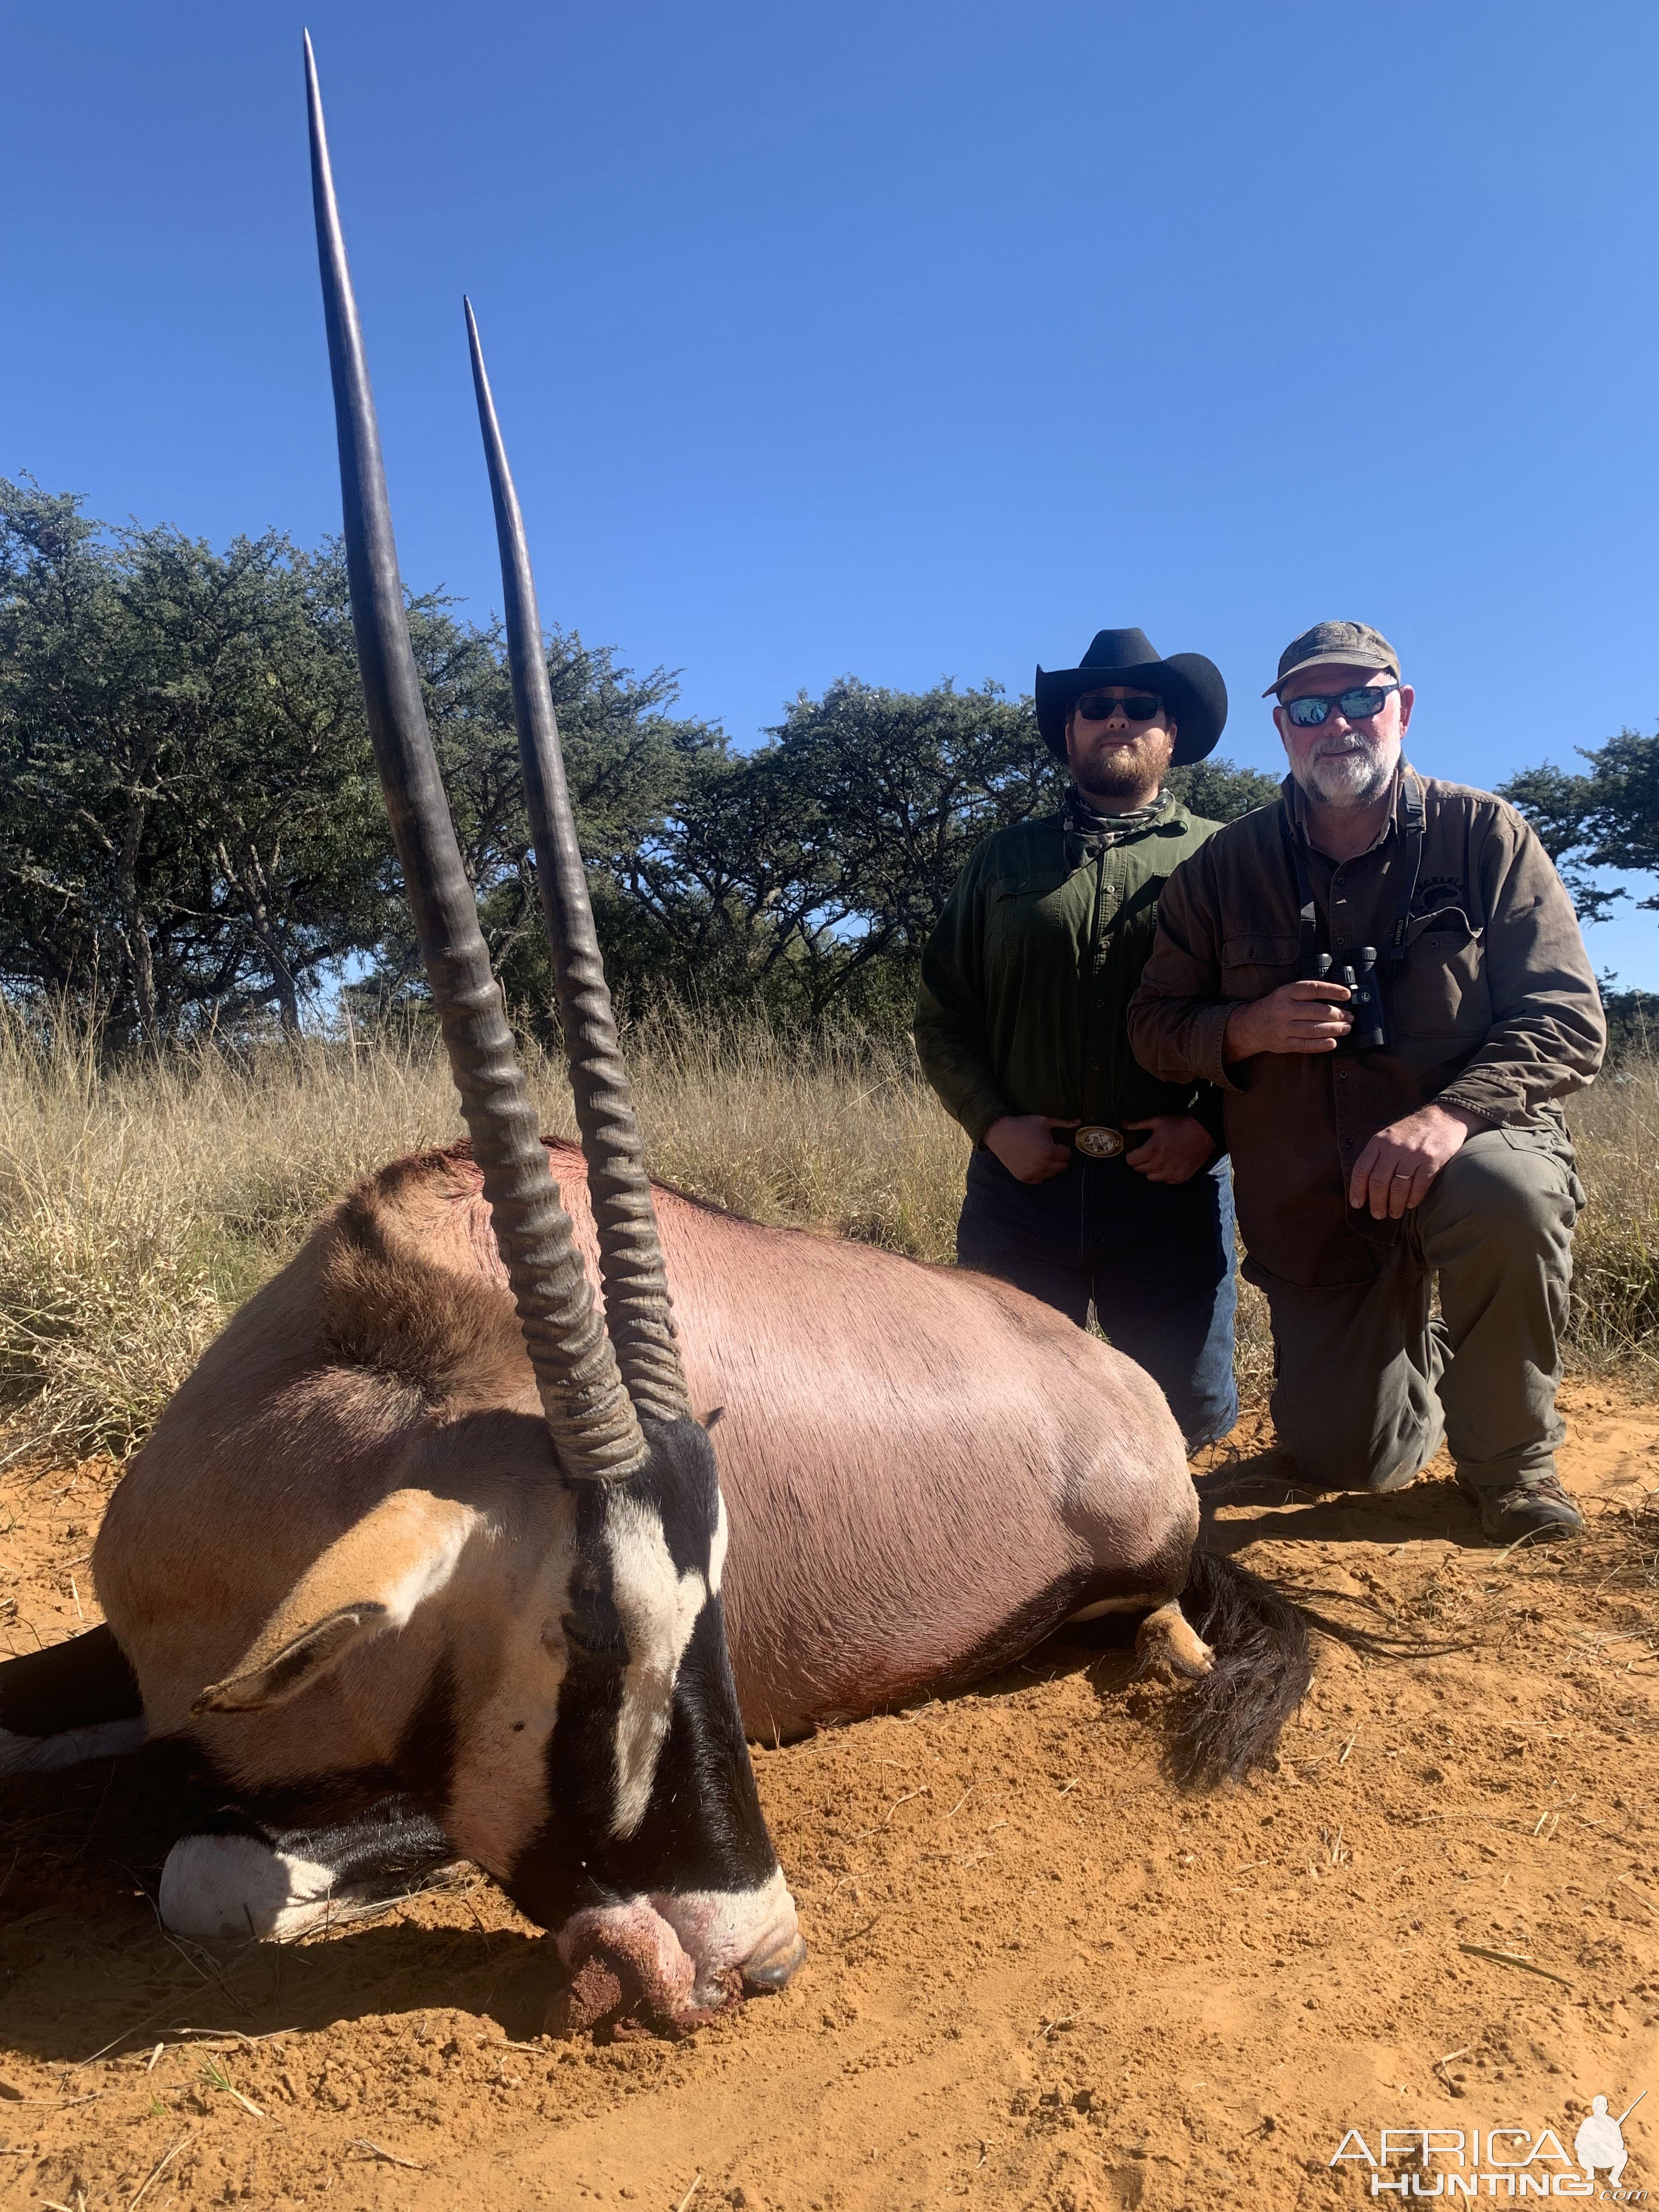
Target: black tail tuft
1232,1718
68,1685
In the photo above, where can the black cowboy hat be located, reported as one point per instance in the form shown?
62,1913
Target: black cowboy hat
1189,685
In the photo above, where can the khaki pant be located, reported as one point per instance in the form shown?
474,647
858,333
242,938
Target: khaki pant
1368,1385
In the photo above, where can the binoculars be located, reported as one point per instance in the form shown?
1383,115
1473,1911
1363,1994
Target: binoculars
1369,1032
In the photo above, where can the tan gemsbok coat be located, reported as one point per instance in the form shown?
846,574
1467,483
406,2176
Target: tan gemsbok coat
927,1470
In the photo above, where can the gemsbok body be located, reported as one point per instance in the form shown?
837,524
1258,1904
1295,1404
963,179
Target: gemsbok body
429,1558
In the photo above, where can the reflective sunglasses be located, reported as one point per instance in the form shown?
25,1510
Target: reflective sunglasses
1358,705
1142,708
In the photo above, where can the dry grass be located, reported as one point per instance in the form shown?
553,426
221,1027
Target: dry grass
139,1204
1615,1290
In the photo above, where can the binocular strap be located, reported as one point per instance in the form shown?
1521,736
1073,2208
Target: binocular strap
1412,818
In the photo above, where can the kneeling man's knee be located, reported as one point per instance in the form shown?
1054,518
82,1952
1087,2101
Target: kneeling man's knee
1344,1440
1520,1198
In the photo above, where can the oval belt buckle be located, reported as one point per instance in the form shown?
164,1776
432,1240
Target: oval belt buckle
1098,1144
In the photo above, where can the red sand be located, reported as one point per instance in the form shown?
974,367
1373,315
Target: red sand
1040,1976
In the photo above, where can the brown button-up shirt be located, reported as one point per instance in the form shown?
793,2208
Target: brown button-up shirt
1496,1010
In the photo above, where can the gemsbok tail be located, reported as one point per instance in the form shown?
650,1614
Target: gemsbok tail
1231,1719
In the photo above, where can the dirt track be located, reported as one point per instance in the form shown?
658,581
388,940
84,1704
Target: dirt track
1040,1975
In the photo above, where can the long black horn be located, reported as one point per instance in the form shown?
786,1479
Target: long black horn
636,1304
595,1430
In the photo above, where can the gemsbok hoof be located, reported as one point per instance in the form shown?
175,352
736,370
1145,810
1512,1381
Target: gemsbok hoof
1166,1641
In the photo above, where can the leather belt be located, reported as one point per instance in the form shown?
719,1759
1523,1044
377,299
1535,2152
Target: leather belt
1095,1141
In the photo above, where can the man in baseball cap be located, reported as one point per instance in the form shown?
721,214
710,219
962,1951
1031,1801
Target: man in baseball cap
1334,645
1385,978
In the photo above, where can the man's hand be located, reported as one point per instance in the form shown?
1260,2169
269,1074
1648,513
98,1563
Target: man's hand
1025,1143
1177,1148
1305,1017
1394,1170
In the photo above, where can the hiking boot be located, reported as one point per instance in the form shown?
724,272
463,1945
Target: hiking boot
1541,1509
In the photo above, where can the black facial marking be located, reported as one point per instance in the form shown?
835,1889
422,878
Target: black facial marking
590,1624
384,1851
685,1487
422,1768
181,1793
378,1829
702,1828
424,1760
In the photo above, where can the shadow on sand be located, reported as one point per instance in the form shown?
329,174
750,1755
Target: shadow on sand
85,1968
1256,1497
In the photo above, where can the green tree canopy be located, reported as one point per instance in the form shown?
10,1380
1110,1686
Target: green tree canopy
191,832
1607,818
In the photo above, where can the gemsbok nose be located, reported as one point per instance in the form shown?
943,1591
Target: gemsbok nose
763,1972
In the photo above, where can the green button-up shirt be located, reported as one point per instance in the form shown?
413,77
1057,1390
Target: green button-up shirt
1026,980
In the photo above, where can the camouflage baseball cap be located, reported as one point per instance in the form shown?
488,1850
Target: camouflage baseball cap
1356,645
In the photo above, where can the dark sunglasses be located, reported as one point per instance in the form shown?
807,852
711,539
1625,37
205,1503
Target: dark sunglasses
1358,705
1097,708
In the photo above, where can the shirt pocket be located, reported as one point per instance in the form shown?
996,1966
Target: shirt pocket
1442,991
1253,966
1035,912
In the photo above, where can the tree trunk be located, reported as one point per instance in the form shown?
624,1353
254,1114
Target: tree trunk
136,925
251,881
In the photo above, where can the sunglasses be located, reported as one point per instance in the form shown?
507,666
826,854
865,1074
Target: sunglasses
1142,708
1358,705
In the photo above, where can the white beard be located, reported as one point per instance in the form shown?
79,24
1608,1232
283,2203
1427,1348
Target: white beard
1350,779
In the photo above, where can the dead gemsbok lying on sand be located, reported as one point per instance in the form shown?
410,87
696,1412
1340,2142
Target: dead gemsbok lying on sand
427,1561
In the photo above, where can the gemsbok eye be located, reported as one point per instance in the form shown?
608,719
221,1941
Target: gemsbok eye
593,1637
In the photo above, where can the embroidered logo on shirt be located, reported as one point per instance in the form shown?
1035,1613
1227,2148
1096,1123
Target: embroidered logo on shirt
1434,891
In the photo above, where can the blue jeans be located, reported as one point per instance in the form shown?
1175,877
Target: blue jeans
1155,1259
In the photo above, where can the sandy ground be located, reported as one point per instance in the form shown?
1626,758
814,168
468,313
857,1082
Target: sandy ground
1041,1974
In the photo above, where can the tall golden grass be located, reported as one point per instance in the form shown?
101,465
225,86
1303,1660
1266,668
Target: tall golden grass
140,1204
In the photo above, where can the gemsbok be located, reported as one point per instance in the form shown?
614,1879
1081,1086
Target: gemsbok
429,1558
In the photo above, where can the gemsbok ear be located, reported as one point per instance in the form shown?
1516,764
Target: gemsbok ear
369,1580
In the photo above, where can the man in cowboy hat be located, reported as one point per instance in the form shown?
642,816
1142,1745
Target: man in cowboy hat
1091,1182
1405,1128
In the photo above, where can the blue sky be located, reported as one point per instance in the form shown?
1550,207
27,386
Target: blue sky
905,340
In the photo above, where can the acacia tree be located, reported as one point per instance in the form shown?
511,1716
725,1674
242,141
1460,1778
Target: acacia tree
1221,791
890,792
804,877
191,832
85,869
631,765
1608,818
